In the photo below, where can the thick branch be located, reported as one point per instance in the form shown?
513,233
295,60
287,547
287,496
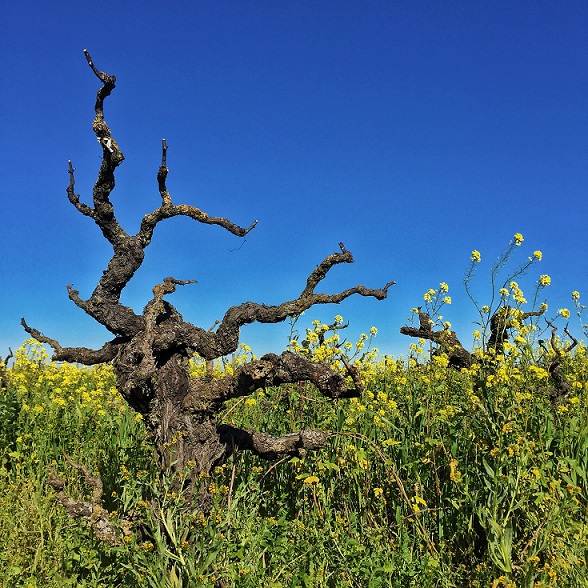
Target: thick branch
226,339
562,387
269,447
270,370
104,305
81,355
447,341
501,321
98,517
112,157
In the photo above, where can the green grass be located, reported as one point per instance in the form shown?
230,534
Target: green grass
433,478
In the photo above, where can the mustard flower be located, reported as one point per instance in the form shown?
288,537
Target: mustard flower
373,331
543,306
575,295
504,292
485,309
311,480
518,239
477,334
447,325
544,280
447,299
476,257
443,287
564,312
538,255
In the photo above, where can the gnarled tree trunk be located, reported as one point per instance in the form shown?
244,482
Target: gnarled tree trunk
151,351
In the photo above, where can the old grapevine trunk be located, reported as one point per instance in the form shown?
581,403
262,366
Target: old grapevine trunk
151,351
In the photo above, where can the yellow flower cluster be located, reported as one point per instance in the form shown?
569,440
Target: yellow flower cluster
223,366
89,388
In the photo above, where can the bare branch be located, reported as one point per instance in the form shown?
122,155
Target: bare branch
501,322
39,336
3,372
104,306
562,388
226,338
270,370
81,355
93,512
75,198
269,447
448,342
169,210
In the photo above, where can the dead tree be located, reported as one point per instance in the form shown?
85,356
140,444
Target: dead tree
150,352
447,341
502,321
562,389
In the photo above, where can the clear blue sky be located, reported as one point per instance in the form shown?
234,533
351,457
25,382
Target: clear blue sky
413,132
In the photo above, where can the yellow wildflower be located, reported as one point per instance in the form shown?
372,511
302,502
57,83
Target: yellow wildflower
544,280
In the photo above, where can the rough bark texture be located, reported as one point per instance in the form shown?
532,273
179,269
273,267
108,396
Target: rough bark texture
500,323
151,351
447,341
562,389
97,516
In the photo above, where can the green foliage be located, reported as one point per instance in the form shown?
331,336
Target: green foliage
435,477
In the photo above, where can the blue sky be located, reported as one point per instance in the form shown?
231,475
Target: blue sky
413,132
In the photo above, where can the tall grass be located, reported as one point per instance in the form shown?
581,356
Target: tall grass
434,477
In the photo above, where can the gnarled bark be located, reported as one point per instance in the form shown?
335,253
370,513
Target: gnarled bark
562,389
502,321
151,351
448,342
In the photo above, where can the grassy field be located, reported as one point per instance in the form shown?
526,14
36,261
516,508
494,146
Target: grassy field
434,477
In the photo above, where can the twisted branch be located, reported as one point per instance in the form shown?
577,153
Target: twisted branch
270,447
82,355
448,342
270,370
93,512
